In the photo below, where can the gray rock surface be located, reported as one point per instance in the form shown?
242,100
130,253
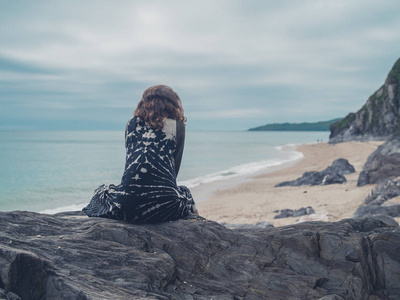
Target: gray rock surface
383,192
8,296
70,256
374,204
382,164
259,225
340,166
372,210
286,213
378,119
388,220
331,175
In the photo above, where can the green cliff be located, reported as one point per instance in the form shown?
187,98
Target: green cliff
317,126
378,119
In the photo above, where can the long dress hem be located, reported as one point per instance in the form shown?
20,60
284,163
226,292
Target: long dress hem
148,192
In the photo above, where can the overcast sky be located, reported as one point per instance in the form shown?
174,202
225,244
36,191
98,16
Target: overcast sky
235,64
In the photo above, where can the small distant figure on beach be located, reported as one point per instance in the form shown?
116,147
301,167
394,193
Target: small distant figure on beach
154,141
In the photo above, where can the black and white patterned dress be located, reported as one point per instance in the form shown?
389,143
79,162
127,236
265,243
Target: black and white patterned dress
148,192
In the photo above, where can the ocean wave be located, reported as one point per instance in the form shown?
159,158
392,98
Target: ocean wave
72,207
246,169
287,147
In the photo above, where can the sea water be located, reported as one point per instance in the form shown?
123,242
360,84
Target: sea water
52,171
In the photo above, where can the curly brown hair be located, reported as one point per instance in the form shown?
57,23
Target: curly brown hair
158,103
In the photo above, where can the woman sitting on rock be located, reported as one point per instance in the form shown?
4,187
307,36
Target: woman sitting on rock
154,140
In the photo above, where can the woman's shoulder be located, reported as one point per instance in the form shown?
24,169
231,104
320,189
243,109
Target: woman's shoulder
170,125
180,125
133,121
169,128
131,124
169,122
173,122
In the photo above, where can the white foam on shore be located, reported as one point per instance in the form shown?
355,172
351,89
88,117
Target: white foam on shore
247,169
288,147
72,207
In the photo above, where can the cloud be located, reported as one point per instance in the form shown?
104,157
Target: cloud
231,59
231,114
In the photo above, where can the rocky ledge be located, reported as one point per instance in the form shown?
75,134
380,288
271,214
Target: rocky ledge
375,204
70,256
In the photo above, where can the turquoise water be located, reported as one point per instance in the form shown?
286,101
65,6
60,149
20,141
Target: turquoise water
48,171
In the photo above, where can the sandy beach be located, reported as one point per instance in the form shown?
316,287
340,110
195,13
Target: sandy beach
257,200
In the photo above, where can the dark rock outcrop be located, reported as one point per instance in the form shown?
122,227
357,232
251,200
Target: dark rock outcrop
373,210
374,205
286,213
70,256
378,119
383,192
331,175
8,296
388,220
259,225
308,178
382,164
340,166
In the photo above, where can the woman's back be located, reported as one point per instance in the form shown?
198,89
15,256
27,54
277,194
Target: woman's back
148,192
150,155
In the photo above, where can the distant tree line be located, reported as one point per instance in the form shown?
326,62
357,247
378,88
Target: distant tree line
317,126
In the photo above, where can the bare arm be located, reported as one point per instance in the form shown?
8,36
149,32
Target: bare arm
180,143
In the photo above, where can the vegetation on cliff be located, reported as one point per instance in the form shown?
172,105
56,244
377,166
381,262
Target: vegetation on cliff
378,119
317,126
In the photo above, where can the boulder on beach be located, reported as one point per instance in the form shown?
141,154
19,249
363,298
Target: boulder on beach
71,256
286,213
258,225
382,164
331,175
